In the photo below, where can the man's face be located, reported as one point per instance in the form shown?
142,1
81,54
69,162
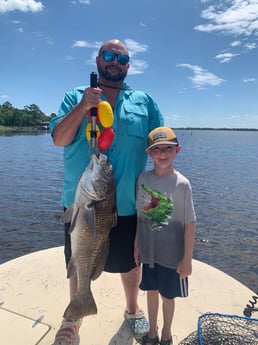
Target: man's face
112,71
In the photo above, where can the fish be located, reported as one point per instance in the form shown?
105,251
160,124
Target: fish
92,215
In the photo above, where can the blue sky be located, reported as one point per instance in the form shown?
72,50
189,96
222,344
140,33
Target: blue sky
197,58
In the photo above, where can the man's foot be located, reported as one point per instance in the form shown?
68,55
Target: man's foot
138,323
68,333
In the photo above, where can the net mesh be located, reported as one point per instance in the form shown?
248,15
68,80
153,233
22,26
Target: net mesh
219,329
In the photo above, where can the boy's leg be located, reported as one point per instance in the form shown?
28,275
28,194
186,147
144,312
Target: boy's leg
153,306
168,308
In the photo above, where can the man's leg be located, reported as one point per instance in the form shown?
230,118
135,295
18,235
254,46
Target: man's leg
68,333
133,314
131,281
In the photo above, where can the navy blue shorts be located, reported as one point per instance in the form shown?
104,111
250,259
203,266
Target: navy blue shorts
121,245
166,280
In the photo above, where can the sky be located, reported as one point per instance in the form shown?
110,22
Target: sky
198,59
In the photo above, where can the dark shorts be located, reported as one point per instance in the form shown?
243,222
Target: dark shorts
121,245
165,280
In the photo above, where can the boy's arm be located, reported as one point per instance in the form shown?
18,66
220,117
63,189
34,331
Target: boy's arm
185,266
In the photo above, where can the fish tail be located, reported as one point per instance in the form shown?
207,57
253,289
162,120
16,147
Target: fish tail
80,306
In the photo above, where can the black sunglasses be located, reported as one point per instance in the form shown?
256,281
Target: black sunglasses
109,56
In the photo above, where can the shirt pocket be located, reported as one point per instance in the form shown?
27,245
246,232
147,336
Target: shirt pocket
136,120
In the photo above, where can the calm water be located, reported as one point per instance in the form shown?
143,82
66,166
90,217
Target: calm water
221,165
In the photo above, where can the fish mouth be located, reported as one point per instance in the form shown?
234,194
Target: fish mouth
99,156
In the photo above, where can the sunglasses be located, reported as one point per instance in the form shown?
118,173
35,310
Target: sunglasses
109,56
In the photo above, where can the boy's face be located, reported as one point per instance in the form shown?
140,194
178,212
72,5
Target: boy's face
163,154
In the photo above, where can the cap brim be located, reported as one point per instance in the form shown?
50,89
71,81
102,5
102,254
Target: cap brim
173,143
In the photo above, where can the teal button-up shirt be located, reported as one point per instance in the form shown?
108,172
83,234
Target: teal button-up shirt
135,115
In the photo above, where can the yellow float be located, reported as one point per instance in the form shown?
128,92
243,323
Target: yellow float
88,131
105,114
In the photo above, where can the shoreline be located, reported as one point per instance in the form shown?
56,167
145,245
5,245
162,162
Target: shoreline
20,130
17,130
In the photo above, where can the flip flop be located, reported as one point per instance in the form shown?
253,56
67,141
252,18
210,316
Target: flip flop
166,342
152,341
68,333
138,323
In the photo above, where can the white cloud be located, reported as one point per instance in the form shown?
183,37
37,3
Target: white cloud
82,44
69,58
235,44
86,44
250,46
137,66
20,5
225,57
249,80
4,96
202,78
235,17
135,47
84,2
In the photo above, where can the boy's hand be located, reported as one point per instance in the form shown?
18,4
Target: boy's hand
184,268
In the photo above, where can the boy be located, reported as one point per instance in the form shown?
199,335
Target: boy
165,232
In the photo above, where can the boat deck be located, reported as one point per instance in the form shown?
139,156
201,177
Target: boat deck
34,287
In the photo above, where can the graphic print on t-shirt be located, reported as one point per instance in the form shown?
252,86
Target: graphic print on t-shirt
158,207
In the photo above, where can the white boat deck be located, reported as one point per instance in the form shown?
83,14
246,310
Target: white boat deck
34,287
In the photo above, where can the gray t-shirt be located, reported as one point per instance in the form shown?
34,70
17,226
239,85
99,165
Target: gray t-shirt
164,205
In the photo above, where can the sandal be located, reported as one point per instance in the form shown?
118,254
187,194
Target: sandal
138,323
68,333
166,342
152,341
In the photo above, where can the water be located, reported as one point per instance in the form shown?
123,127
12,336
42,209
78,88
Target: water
221,165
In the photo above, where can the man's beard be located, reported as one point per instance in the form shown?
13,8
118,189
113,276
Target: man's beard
103,72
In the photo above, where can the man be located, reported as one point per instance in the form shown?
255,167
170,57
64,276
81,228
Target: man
135,115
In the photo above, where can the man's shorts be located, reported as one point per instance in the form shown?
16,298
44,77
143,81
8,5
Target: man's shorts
166,280
121,245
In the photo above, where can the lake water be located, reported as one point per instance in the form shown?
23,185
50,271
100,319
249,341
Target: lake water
221,165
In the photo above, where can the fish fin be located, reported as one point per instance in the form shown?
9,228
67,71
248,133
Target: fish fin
71,268
73,221
80,306
90,217
67,215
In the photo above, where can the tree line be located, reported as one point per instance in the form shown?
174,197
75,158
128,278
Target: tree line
29,116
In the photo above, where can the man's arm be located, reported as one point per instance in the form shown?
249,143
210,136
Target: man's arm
65,130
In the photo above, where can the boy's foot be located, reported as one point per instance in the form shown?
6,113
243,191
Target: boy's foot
138,323
68,333
166,342
150,341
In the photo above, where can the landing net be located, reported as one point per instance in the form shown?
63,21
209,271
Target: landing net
220,329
